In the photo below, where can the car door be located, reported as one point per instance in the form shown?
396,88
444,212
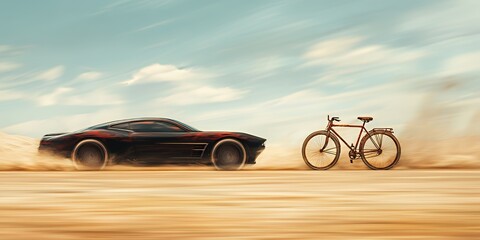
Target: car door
159,141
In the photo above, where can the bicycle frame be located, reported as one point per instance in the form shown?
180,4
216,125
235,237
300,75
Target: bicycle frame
330,129
315,149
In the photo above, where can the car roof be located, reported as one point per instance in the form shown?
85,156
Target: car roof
103,125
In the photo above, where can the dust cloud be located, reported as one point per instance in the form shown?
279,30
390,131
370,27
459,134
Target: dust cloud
20,153
445,131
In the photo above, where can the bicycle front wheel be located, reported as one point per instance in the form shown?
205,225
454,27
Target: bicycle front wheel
321,150
380,150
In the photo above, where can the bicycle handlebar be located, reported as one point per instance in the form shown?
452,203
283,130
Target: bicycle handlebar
337,119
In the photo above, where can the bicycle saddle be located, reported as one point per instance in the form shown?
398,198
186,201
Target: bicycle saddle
365,119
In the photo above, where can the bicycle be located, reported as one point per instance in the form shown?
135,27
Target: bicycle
379,148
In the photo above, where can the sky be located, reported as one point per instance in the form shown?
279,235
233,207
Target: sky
275,69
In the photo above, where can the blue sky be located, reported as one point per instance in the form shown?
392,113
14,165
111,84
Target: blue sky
271,68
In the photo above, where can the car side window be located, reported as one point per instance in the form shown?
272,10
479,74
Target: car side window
125,126
154,126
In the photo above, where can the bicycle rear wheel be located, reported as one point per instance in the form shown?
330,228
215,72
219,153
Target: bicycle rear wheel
380,150
321,150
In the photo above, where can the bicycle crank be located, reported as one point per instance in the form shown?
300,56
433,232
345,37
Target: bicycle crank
352,154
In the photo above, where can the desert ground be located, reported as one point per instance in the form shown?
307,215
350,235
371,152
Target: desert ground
276,204
434,193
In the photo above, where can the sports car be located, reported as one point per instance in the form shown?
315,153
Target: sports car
153,141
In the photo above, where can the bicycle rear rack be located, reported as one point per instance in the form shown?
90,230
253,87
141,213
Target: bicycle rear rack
383,129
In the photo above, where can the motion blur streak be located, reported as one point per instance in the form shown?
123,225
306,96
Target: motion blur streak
271,68
240,205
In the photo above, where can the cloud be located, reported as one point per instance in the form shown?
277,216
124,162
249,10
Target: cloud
53,97
331,48
10,95
465,63
185,91
163,73
130,5
295,98
11,50
39,127
350,61
67,96
349,52
200,95
112,6
263,67
444,20
94,98
188,86
90,76
8,66
5,48
51,74
154,25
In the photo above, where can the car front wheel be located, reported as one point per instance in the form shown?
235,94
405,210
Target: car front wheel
229,154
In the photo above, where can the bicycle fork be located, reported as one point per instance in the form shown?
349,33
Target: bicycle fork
327,136
326,142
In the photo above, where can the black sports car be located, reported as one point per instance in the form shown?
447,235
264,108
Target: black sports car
153,141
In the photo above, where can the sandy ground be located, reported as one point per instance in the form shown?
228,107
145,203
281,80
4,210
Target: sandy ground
434,193
337,204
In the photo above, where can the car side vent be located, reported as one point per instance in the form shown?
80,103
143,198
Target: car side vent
198,150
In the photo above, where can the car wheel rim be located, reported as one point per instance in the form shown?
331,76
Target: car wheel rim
90,156
229,155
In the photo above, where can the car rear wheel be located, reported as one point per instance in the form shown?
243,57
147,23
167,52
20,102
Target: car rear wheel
90,154
229,154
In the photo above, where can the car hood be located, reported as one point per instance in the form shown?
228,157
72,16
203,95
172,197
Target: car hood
53,135
240,135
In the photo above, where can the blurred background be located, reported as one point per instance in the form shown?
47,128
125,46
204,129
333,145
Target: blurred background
275,69
271,68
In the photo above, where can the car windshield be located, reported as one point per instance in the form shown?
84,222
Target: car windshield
190,128
99,125
187,127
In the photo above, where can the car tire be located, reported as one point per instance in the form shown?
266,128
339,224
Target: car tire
229,154
90,154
